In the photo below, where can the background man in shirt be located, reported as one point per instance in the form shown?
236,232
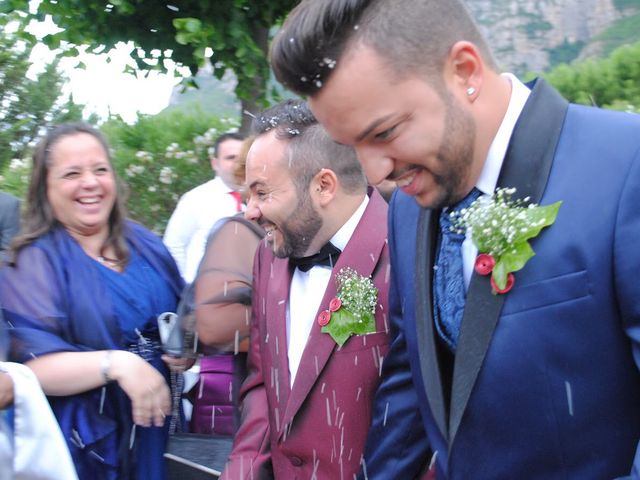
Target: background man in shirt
306,403
199,209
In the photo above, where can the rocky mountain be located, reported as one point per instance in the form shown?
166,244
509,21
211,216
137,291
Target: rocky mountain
534,35
525,36
211,95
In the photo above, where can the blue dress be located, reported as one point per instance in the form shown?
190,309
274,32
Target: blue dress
57,299
138,296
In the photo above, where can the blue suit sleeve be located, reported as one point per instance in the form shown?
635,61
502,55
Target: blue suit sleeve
397,446
626,263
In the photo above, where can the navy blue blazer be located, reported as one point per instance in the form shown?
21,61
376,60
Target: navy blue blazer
545,382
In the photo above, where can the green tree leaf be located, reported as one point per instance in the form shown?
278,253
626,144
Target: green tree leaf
238,31
27,106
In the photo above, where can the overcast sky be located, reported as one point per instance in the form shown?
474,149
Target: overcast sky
103,87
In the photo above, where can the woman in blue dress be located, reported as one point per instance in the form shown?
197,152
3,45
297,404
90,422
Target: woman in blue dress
81,296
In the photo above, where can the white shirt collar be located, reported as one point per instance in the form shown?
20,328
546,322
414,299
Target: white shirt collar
221,185
343,235
495,157
306,292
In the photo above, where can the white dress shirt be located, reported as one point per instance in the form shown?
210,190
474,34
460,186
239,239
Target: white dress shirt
489,175
307,290
189,226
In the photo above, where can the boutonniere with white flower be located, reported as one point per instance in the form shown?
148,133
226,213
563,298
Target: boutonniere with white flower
500,227
352,310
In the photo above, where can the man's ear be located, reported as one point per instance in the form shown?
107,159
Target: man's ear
464,69
214,163
324,186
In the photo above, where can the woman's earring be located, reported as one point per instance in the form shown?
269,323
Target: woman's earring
471,91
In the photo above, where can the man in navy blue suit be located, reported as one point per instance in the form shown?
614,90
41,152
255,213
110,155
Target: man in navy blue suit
541,381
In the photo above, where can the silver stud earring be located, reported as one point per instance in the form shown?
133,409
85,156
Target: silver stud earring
471,91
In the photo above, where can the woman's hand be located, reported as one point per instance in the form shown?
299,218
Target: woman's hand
145,387
178,364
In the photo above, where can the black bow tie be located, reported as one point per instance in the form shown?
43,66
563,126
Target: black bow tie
327,256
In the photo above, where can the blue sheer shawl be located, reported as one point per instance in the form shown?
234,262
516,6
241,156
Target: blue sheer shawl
56,300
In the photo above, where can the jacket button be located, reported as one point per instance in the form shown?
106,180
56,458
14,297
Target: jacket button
296,461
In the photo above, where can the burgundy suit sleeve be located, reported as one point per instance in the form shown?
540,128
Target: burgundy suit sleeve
250,457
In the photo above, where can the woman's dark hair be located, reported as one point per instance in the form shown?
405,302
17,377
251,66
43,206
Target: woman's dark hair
39,218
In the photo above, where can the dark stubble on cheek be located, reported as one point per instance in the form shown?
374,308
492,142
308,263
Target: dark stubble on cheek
455,155
299,230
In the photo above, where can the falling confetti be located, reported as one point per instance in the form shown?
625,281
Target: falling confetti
132,437
567,386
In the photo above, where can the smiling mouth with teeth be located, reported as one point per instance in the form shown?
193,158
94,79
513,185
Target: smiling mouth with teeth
406,179
88,201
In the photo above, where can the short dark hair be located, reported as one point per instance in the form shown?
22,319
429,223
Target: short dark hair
310,148
39,218
224,137
410,35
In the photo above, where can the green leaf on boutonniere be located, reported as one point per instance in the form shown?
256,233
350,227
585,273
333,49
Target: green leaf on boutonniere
501,227
512,261
352,311
343,324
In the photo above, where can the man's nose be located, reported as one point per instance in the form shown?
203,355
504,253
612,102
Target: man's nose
252,212
377,165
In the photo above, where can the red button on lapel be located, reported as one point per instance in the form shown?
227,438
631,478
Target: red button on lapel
324,317
484,264
509,285
335,304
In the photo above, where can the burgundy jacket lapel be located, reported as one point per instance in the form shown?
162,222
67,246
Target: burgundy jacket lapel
275,313
362,254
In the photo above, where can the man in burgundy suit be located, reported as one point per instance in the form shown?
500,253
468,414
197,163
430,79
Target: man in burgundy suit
306,404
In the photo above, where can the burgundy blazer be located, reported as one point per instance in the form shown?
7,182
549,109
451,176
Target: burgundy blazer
318,427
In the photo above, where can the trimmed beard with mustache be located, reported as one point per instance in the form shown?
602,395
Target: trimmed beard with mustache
455,153
299,230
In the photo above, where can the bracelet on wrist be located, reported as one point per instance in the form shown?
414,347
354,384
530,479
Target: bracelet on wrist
105,366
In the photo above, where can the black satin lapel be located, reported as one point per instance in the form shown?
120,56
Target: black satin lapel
429,365
533,143
526,167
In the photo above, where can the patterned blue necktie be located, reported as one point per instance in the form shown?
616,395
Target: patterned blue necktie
449,292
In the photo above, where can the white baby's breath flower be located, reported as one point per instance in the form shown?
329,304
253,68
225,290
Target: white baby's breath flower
357,293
